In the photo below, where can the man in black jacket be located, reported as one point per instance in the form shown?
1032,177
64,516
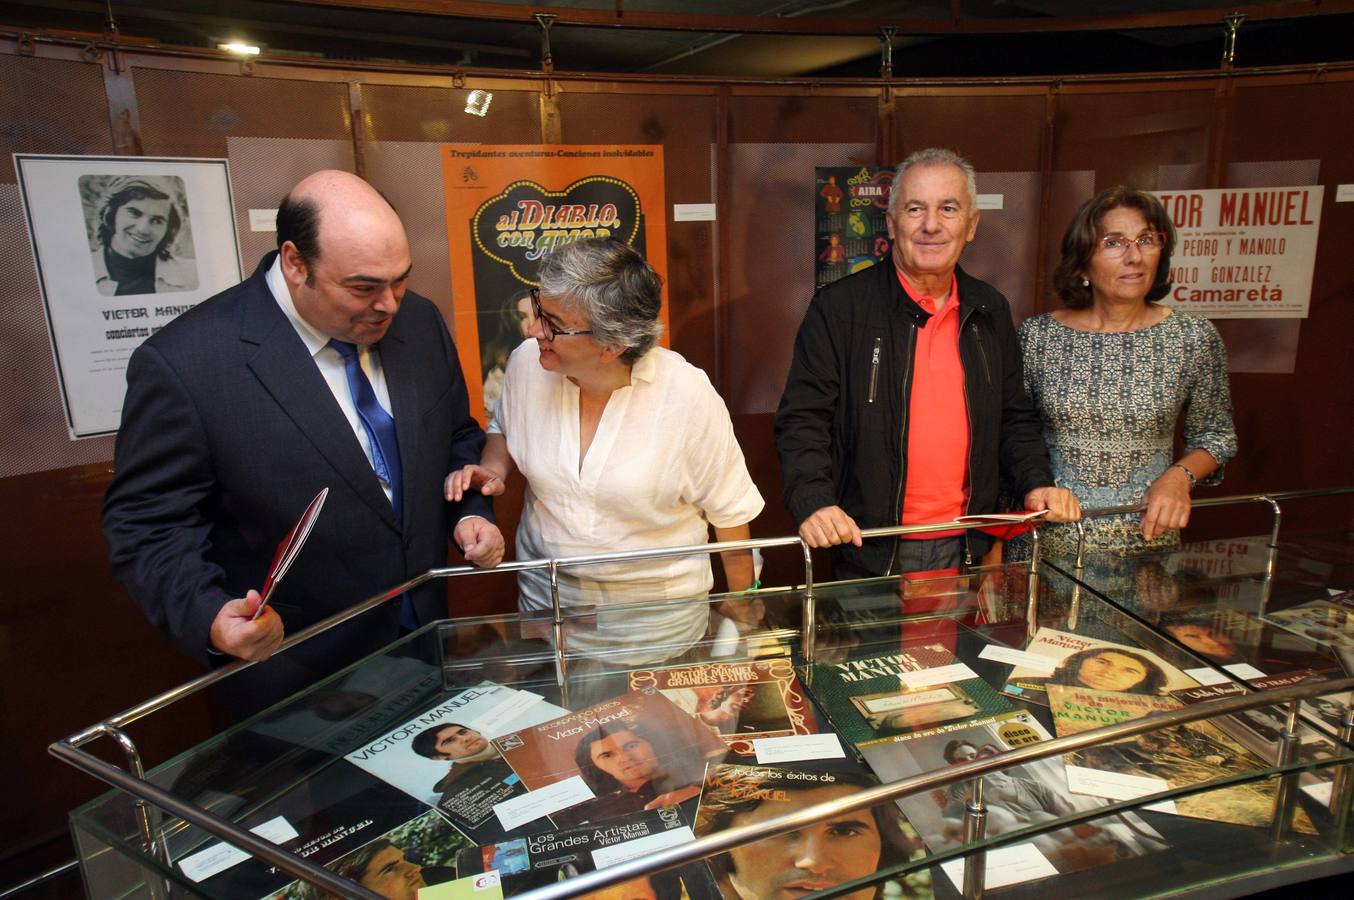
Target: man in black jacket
905,402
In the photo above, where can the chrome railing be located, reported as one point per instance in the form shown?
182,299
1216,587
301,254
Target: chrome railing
146,794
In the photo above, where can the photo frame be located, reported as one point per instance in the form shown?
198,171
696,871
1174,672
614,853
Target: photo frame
122,246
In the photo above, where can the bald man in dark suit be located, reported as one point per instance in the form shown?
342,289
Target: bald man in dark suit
242,409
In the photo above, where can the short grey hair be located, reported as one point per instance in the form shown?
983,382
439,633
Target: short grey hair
935,156
617,291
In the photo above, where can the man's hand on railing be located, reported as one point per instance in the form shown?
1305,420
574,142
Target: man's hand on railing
828,527
1061,503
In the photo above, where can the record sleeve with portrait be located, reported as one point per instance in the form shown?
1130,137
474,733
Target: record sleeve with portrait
1096,664
1330,624
740,702
634,752
398,863
1033,794
1227,636
1181,755
336,812
444,756
838,848
1261,729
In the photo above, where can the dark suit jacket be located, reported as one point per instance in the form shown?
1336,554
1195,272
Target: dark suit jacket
229,429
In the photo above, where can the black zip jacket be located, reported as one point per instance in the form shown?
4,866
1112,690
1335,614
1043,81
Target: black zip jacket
841,428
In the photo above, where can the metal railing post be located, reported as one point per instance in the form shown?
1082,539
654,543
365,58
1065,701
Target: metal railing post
1032,588
557,632
809,609
147,817
1079,568
1285,794
1343,786
975,829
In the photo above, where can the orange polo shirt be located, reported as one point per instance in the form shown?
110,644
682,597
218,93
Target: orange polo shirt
937,485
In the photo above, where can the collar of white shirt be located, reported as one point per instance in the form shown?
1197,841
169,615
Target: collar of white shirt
314,341
645,368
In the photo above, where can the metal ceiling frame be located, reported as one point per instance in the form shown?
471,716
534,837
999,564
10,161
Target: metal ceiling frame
956,24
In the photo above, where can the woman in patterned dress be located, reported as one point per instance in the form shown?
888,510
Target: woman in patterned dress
1113,371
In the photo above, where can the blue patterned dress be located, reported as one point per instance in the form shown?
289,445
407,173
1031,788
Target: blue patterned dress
1110,403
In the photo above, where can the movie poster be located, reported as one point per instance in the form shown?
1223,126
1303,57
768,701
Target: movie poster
1244,253
122,245
850,231
507,206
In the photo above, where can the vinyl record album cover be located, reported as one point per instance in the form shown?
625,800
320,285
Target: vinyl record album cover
740,702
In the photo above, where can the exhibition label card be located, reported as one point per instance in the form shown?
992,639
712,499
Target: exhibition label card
497,720
797,747
484,886
1207,676
619,853
219,857
542,802
1118,786
1036,662
939,675
1320,792
1005,865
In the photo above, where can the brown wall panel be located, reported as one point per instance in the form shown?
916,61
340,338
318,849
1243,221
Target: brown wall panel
1125,136
50,106
996,133
684,125
406,113
1295,429
75,650
797,118
193,113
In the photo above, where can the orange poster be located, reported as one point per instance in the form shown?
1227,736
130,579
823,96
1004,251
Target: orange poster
507,206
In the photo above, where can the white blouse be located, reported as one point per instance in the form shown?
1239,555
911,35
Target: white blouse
663,465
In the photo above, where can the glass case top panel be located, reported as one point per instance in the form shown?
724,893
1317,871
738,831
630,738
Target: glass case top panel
1262,616
640,714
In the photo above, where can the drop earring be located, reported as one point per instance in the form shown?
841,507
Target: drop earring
1085,282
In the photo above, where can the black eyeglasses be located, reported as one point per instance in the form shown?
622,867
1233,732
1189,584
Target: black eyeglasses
547,325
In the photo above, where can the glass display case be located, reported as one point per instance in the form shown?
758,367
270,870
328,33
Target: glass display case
1172,723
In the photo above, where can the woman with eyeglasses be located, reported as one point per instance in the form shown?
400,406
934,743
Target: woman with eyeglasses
1112,372
624,445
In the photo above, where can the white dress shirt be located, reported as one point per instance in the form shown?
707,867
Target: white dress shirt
331,364
663,466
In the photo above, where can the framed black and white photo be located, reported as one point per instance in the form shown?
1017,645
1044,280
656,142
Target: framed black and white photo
122,245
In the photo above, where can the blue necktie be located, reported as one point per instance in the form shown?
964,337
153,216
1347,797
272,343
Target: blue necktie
385,446
379,425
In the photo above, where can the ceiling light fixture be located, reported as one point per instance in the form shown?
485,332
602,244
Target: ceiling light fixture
239,48
477,103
